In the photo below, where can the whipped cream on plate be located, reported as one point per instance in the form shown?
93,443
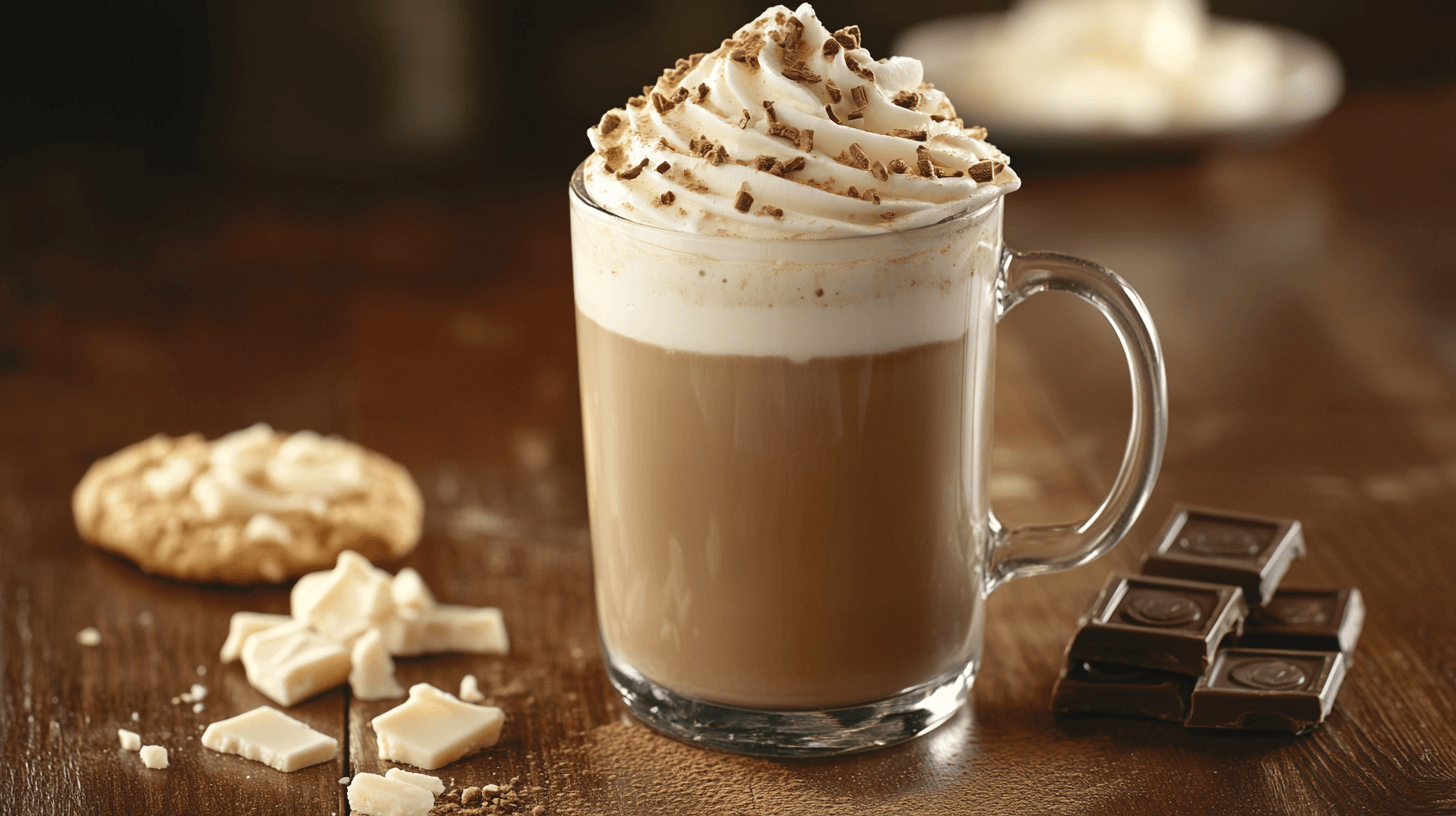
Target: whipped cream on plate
790,130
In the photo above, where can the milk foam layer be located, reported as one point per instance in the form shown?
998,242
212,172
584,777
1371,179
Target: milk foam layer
789,130
797,299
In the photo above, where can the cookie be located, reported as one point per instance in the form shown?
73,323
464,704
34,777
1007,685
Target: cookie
254,506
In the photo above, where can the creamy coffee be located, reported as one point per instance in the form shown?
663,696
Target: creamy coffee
775,534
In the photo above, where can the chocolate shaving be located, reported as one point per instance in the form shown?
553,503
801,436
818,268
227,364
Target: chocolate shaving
976,132
831,47
985,170
662,103
913,135
799,73
805,142
857,69
769,210
743,201
609,123
636,102
668,197
871,195
633,172
848,37
852,192
898,166
834,93
719,156
663,168
768,111
765,163
922,162
907,99
796,163
787,132
702,92
861,96
829,109
680,97
858,157
747,51
857,113
878,171
743,123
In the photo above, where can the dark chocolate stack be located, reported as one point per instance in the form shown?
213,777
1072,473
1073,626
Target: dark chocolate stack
1202,637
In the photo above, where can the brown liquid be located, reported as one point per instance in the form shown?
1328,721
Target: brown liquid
785,535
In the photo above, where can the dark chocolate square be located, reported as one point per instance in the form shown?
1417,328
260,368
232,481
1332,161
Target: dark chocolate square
1267,690
1223,547
1316,620
1109,688
1158,623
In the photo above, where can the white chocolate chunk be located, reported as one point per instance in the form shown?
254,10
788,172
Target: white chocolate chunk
130,740
154,756
271,737
372,675
447,628
225,494
290,663
377,795
307,591
434,728
419,780
245,625
89,637
470,690
354,597
317,465
244,452
169,478
265,527
410,591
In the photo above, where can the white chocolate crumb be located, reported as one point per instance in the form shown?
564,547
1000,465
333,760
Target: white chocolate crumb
89,637
154,756
130,740
470,690
201,671
197,708
135,717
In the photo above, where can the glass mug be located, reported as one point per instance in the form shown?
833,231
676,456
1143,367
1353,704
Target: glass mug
787,454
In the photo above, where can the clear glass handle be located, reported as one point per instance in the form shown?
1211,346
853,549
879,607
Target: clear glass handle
1035,550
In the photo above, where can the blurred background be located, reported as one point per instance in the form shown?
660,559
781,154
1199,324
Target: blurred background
165,119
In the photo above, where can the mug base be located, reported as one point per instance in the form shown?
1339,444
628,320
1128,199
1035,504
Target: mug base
807,733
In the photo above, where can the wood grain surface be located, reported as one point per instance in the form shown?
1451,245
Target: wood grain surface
1306,302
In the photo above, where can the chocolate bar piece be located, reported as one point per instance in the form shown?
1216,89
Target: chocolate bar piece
1314,620
1109,688
1158,623
1267,689
1220,547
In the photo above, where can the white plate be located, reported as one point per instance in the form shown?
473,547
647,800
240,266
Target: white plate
1309,83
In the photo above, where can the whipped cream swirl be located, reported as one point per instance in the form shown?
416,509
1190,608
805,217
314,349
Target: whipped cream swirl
789,130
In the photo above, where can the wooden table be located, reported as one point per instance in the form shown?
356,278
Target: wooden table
1305,298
